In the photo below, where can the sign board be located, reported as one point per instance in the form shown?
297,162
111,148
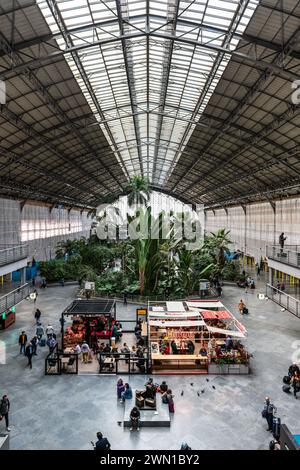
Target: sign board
204,285
89,285
141,311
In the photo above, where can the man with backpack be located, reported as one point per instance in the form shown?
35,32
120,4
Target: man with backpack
4,410
268,413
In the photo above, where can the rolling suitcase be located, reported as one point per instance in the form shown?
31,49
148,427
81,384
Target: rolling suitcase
286,388
286,379
276,427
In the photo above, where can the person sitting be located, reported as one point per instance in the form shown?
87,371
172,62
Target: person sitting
149,392
120,388
163,387
293,368
191,347
107,349
203,351
167,398
135,419
174,347
295,383
77,349
228,343
167,349
126,351
127,394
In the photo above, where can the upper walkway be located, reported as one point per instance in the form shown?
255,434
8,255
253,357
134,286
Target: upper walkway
289,255
12,254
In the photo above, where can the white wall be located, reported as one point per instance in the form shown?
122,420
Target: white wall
41,228
259,225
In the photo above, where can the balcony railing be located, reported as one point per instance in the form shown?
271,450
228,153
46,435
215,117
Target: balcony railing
284,255
14,297
284,300
12,254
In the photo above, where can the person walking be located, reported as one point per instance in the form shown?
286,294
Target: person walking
282,239
35,295
51,343
49,331
241,306
85,352
29,354
268,413
102,443
39,332
258,270
34,341
22,342
37,315
125,296
4,410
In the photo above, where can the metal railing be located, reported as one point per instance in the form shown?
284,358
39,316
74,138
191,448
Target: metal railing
284,300
14,297
284,255
12,254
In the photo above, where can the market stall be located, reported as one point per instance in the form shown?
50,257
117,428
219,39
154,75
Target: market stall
87,320
202,336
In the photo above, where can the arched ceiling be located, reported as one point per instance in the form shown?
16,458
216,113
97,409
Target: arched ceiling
194,95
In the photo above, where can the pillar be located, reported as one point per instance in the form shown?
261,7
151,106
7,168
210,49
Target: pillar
23,276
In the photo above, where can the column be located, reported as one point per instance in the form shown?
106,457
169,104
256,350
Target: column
23,276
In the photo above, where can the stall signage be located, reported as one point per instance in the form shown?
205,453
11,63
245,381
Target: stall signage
183,335
141,311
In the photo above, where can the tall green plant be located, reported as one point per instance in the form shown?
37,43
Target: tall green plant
138,191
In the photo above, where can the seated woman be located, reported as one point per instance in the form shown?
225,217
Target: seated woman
163,387
174,347
135,419
203,351
120,388
190,347
127,394
167,398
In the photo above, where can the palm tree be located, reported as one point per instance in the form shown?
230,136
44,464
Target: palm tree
217,247
138,191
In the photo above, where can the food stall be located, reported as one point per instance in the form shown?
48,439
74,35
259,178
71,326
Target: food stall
199,336
91,320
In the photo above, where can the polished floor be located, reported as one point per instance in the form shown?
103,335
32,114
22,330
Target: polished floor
65,412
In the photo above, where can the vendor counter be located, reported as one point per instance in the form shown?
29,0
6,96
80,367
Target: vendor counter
179,361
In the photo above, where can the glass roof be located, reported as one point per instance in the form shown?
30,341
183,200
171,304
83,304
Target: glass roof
148,69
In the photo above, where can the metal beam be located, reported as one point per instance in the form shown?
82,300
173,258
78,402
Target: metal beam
71,49
252,92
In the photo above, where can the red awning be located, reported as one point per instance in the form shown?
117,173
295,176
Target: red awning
216,315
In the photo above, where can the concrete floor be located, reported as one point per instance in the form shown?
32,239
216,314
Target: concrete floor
65,412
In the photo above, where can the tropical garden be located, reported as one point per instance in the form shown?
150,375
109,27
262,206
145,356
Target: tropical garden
147,266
